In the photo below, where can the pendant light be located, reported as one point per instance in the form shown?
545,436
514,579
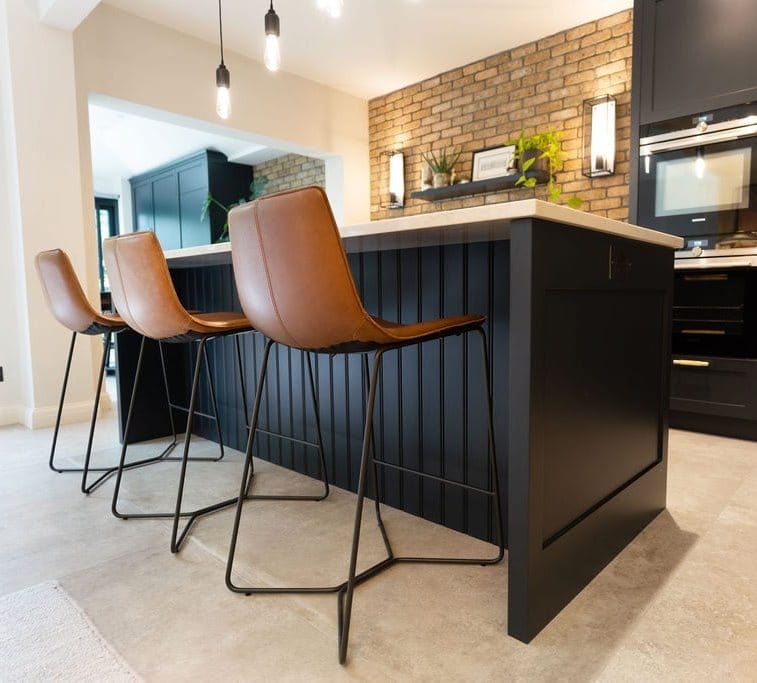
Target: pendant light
223,78
332,7
272,56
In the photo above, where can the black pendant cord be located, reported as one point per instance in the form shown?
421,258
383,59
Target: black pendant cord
220,30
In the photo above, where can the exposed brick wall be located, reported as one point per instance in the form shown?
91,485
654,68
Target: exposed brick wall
290,171
533,87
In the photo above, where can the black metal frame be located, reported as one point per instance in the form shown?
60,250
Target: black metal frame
345,590
177,539
107,472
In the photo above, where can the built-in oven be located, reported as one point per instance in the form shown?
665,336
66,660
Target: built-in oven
698,178
715,312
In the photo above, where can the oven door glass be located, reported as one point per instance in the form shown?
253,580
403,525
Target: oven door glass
708,190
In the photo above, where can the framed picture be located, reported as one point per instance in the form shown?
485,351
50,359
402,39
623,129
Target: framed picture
493,162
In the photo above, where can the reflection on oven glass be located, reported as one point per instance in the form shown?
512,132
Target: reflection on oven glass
713,181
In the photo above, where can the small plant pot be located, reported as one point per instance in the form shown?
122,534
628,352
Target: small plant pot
538,165
441,179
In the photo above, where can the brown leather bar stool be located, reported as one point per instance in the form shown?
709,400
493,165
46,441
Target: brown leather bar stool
296,287
70,307
144,295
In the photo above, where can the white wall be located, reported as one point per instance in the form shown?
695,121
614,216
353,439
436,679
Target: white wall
44,209
128,58
12,390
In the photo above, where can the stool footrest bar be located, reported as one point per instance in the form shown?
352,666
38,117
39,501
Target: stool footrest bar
426,475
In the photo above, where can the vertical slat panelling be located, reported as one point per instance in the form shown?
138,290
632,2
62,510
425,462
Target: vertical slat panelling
391,391
409,397
430,382
358,385
499,353
366,270
430,412
477,445
453,372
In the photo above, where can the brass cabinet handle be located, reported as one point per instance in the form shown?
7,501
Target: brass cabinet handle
691,363
714,332
707,277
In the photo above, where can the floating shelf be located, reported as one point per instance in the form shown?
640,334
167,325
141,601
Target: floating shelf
436,194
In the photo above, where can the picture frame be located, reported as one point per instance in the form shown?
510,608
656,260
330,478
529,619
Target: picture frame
493,162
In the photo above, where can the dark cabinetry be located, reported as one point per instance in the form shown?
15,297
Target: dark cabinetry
169,199
717,395
692,56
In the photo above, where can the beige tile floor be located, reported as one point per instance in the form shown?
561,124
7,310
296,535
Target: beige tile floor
679,604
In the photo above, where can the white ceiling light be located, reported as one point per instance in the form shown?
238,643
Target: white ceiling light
223,78
272,55
331,7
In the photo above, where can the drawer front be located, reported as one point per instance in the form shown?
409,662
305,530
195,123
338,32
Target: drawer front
714,386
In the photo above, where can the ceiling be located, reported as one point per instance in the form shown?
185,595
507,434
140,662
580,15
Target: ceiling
125,144
377,45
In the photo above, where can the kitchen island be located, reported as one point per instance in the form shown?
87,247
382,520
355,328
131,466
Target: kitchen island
579,328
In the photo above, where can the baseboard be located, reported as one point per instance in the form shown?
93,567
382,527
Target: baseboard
81,411
11,415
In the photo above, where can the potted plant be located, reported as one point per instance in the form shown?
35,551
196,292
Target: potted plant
257,186
442,165
541,149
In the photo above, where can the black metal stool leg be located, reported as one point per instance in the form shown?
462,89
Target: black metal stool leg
345,590
214,399
127,432
51,462
243,388
169,405
376,478
242,384
247,471
319,436
247,479
177,541
172,406
87,456
492,450
345,598
106,472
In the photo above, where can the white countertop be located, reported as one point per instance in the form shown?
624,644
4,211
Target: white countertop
474,224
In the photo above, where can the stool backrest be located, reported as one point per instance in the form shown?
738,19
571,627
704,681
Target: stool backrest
292,275
142,289
63,291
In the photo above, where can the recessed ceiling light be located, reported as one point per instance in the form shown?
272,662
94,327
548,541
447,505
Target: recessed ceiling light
332,7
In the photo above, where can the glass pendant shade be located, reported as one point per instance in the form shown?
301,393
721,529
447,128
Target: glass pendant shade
223,77
272,55
223,99
223,103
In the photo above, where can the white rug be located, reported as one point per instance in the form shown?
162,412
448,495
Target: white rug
45,636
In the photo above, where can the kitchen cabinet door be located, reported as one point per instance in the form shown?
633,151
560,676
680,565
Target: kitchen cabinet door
144,212
694,56
167,223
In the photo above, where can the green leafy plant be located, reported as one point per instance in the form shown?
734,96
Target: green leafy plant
257,187
546,146
444,162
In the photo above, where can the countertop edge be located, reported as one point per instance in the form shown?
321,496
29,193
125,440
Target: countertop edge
506,211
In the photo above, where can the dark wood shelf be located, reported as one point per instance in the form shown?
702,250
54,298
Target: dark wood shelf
436,194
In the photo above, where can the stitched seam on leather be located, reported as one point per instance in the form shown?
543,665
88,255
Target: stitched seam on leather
271,295
121,280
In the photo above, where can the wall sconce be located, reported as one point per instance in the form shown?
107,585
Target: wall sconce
394,194
599,136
